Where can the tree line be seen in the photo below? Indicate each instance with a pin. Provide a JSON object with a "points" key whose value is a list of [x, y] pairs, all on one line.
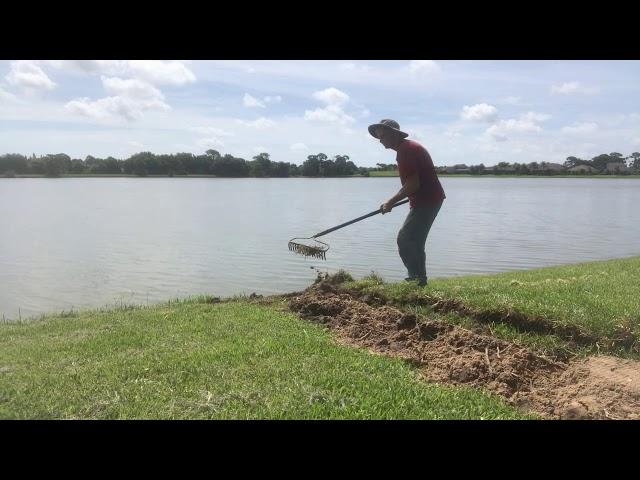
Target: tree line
{"points": [[211, 162], [214, 163], [600, 162], [611, 163]]}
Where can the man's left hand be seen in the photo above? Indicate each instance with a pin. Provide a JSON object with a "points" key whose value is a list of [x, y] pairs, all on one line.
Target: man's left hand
{"points": [[386, 207]]}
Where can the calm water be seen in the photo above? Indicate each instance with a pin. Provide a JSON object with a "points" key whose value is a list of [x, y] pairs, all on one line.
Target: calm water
{"points": [[76, 243]]}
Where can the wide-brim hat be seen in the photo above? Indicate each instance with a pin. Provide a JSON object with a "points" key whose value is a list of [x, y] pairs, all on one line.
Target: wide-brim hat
{"points": [[387, 123]]}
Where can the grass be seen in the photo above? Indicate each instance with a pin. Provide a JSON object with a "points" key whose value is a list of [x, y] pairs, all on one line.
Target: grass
{"points": [[244, 358], [384, 173], [196, 359], [597, 299]]}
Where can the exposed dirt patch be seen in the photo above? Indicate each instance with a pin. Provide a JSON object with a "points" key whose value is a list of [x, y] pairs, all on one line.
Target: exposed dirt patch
{"points": [[572, 334], [597, 387]]}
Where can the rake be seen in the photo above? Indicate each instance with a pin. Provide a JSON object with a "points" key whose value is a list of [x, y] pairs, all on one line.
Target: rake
{"points": [[319, 249]]}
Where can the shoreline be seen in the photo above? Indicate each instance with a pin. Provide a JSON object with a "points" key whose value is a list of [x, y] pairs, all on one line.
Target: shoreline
{"points": [[252, 296], [463, 175]]}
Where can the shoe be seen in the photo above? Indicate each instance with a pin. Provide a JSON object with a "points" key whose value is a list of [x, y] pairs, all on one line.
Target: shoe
{"points": [[422, 282]]}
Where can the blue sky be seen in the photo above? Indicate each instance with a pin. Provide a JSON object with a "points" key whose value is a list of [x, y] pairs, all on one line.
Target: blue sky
{"points": [[462, 111]]}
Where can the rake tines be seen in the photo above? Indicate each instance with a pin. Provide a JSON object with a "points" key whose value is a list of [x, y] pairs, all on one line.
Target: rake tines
{"points": [[317, 251], [314, 251]]}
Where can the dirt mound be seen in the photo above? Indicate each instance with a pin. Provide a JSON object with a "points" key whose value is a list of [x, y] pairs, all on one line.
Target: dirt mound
{"points": [[597, 387]]}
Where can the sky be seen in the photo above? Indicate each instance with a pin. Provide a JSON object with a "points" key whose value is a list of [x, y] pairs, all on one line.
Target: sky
{"points": [[472, 112]]}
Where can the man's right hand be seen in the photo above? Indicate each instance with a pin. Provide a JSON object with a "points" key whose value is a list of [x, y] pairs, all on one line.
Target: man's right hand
{"points": [[386, 207]]}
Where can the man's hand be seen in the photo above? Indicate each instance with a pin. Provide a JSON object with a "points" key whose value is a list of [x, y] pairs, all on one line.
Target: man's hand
{"points": [[386, 207]]}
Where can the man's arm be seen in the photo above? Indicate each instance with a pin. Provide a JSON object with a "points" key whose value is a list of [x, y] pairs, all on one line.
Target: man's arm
{"points": [[412, 185]]}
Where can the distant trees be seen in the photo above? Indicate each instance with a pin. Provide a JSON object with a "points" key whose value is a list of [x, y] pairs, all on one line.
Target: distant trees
{"points": [[386, 166], [56, 165], [14, 163], [573, 162], [262, 165], [613, 163], [211, 162], [320, 165], [600, 162]]}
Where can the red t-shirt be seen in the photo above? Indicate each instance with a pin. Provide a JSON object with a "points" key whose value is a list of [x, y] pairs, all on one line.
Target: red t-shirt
{"points": [[413, 158]]}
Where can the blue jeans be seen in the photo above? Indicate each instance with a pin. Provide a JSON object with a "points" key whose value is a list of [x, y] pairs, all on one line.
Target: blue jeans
{"points": [[412, 238]]}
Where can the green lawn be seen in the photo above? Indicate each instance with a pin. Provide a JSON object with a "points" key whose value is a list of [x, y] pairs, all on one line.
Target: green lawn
{"points": [[199, 360], [600, 299]]}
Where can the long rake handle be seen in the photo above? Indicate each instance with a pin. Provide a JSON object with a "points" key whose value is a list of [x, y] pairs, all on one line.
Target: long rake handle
{"points": [[375, 212]]}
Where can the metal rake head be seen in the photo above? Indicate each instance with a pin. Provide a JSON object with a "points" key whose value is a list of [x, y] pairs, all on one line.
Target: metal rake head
{"points": [[316, 251]]}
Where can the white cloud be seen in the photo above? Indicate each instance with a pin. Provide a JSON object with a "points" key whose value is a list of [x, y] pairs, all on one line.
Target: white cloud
{"points": [[106, 67], [260, 123], [130, 98], [251, 102], [260, 149], [298, 147], [534, 117], [331, 96], [572, 87], [157, 72], [423, 66], [161, 72], [480, 112], [581, 128], [134, 89], [135, 144], [275, 99], [103, 108], [333, 112], [26, 74], [503, 128]]}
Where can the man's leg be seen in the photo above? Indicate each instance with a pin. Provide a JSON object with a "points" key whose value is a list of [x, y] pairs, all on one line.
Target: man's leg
{"points": [[408, 247], [412, 238], [426, 215]]}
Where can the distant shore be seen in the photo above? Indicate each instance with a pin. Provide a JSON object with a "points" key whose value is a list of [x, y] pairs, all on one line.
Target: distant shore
{"points": [[372, 175]]}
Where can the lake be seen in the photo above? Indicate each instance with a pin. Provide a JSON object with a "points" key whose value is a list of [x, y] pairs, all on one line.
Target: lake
{"points": [[74, 243]]}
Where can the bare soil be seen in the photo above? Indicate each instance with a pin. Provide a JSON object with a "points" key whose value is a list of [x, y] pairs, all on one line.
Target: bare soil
{"points": [[598, 387]]}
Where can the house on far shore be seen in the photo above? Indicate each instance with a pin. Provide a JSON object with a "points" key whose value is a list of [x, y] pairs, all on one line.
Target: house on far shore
{"points": [[459, 168], [616, 167], [583, 169], [556, 167]]}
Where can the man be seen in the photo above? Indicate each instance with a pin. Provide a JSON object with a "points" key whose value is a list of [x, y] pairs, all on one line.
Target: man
{"points": [[420, 183]]}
